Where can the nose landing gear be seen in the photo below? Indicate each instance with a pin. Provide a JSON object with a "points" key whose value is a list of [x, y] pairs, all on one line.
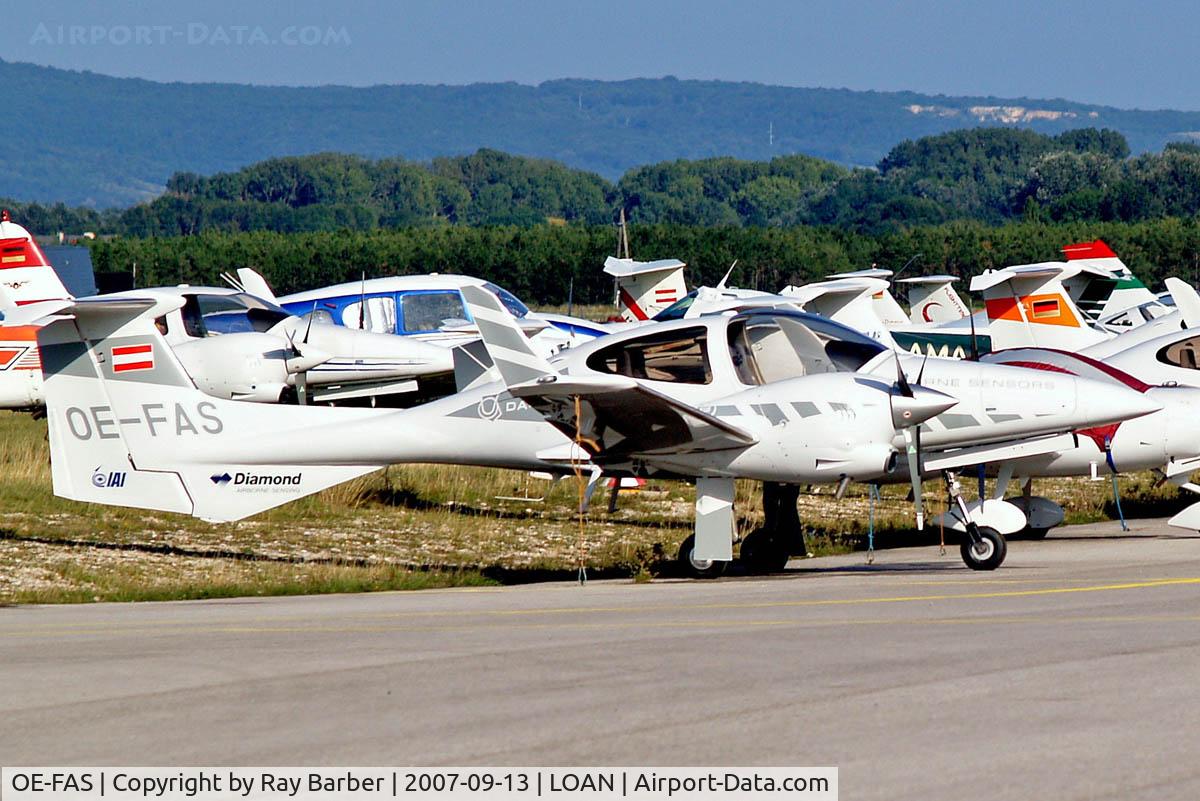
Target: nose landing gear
{"points": [[983, 548]]}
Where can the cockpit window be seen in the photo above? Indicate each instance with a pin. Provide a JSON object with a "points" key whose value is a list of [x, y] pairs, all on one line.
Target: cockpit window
{"points": [[211, 315], [678, 356], [508, 299], [768, 348], [1185, 354], [678, 309]]}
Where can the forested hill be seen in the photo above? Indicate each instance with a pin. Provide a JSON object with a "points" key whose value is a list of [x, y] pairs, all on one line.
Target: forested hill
{"points": [[83, 138], [991, 175]]}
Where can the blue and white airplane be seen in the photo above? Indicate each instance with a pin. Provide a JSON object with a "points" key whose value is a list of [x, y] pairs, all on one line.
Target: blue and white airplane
{"points": [[427, 307]]}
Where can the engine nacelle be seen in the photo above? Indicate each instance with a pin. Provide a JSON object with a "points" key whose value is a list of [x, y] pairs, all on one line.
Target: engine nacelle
{"points": [[243, 366]]}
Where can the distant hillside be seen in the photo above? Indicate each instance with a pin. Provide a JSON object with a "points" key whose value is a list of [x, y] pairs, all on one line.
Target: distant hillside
{"points": [[83, 138]]}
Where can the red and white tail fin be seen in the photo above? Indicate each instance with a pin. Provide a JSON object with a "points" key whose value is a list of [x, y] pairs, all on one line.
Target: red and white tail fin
{"points": [[1028, 306], [25, 274], [932, 299], [644, 288]]}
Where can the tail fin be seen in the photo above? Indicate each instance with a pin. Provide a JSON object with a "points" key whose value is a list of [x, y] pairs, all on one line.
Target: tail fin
{"points": [[253, 283], [644, 288], [1028, 306], [1097, 254], [129, 428], [1104, 285], [932, 299], [506, 343], [26, 276], [850, 301], [1187, 300]]}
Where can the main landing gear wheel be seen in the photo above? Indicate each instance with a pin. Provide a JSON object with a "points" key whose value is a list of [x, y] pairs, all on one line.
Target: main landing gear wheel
{"points": [[986, 553], [764, 551], [698, 568]]}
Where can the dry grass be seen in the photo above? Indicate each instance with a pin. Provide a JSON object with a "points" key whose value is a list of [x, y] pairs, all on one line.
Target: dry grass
{"points": [[599, 312], [408, 527]]}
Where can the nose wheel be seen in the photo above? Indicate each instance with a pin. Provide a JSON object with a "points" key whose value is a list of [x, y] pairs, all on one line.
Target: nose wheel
{"points": [[983, 548], [986, 551]]}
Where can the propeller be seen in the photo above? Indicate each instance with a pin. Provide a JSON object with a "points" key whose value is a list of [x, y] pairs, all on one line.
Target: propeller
{"points": [[299, 360], [911, 406]]}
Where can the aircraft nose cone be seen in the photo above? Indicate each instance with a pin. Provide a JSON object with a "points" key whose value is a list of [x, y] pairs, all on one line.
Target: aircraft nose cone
{"points": [[1099, 403], [924, 404]]}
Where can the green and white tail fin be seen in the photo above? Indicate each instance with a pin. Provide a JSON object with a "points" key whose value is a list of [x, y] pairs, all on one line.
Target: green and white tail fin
{"points": [[129, 428]]}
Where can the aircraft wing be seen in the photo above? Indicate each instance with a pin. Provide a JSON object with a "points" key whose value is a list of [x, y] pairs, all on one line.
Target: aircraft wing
{"points": [[954, 458], [619, 420], [614, 418]]}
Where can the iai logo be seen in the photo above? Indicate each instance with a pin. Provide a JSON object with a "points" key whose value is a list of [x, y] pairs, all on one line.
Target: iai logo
{"points": [[221, 479], [108, 480]]}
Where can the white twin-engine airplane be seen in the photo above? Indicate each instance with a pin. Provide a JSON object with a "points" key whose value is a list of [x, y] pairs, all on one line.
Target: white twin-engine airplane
{"points": [[233, 344], [769, 395]]}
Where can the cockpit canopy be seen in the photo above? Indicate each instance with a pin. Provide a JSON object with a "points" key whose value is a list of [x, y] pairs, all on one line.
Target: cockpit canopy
{"points": [[762, 347], [208, 315]]}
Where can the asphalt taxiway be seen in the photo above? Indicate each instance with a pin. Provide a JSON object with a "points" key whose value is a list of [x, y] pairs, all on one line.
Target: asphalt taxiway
{"points": [[1069, 673]]}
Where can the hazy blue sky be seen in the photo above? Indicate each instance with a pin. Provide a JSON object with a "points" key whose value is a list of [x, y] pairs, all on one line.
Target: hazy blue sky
{"points": [[1118, 53]]}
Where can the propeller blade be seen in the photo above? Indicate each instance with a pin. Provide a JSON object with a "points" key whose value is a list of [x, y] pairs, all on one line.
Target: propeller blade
{"points": [[921, 372], [912, 447], [901, 379], [311, 315]]}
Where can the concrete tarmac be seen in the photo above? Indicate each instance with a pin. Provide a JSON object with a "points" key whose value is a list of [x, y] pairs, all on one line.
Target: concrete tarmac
{"points": [[1070, 673]]}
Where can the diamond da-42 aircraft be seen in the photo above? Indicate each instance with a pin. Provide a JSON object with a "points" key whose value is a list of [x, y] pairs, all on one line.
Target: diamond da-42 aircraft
{"points": [[769, 395]]}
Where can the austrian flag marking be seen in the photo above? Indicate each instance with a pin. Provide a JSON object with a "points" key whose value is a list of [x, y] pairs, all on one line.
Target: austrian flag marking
{"points": [[126, 358]]}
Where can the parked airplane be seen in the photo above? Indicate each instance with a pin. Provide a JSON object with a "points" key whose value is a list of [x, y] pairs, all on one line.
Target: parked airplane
{"points": [[235, 345], [768, 395], [847, 300], [428, 308]]}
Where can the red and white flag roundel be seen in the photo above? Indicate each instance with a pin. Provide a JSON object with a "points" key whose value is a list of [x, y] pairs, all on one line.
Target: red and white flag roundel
{"points": [[126, 358]]}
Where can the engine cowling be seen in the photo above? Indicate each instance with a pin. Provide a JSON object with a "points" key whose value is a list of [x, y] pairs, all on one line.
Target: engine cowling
{"points": [[243, 366]]}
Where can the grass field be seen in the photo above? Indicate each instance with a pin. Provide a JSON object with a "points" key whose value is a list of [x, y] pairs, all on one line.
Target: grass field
{"points": [[407, 528]]}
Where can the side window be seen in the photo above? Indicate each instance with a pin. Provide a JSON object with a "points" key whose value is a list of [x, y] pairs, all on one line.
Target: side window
{"points": [[319, 316], [379, 314], [193, 320], [675, 356], [427, 311], [1184, 354]]}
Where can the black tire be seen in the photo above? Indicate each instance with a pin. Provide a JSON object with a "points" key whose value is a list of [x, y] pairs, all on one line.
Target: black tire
{"points": [[698, 569], [1035, 533], [988, 554], [764, 552]]}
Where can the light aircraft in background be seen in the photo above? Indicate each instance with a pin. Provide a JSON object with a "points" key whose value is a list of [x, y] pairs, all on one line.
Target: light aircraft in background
{"points": [[234, 345], [423, 308], [1036, 323], [768, 395], [847, 299]]}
